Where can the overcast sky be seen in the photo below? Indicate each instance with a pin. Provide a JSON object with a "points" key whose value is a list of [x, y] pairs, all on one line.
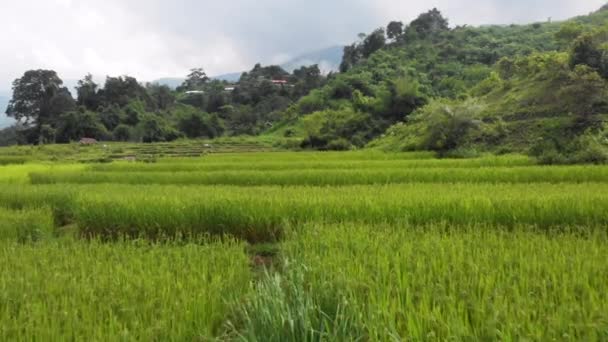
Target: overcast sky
{"points": [[150, 39]]}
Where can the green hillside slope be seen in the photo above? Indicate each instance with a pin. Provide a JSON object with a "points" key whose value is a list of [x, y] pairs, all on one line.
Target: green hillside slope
{"points": [[498, 88]]}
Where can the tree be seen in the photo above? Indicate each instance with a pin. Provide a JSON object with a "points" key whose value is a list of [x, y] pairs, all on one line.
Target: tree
{"points": [[568, 32], [87, 93], [39, 99], [161, 95], [79, 124], [47, 134], [405, 98], [430, 24], [155, 128], [394, 29], [195, 124], [195, 80], [306, 79], [450, 124], [122, 133], [585, 93], [586, 51], [32, 97], [111, 117], [373, 42], [350, 57], [122, 90]]}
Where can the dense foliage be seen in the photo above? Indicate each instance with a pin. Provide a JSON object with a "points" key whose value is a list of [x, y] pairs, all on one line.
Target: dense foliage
{"points": [[125, 110]]}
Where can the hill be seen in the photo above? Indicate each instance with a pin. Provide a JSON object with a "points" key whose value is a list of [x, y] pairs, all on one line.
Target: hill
{"points": [[466, 89]]}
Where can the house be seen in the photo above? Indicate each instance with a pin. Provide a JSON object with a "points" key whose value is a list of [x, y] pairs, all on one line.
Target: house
{"points": [[194, 92], [87, 141], [279, 82]]}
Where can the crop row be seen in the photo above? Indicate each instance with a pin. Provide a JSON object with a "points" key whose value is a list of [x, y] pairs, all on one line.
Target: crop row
{"points": [[288, 157], [210, 165], [7, 160], [533, 174], [263, 213]]}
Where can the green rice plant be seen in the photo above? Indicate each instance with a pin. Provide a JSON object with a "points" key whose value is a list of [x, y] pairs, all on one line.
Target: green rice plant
{"points": [[434, 283], [8, 160], [533, 174], [59, 199], [74, 290], [329, 164], [26, 225], [260, 214], [18, 174]]}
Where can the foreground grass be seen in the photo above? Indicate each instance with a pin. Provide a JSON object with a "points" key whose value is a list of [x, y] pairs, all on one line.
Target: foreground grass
{"points": [[69, 291], [404, 283], [365, 246]]}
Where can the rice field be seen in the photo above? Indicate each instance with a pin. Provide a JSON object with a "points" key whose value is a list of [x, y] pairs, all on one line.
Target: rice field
{"points": [[286, 246]]}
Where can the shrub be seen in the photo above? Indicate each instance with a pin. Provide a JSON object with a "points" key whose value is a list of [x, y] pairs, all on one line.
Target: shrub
{"points": [[122, 132], [339, 144]]}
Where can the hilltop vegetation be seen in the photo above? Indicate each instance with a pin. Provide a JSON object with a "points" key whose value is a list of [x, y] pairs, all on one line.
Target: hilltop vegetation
{"points": [[538, 89]]}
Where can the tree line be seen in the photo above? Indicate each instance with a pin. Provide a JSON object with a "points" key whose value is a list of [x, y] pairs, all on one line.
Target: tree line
{"points": [[123, 109]]}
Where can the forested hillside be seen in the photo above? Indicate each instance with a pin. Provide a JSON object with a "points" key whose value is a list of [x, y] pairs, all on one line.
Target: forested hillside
{"points": [[538, 88]]}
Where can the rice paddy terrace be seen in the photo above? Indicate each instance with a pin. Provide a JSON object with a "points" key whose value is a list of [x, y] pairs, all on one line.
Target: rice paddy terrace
{"points": [[287, 246]]}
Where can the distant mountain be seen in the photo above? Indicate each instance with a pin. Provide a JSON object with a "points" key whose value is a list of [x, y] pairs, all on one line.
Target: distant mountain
{"points": [[171, 82], [328, 60], [232, 77]]}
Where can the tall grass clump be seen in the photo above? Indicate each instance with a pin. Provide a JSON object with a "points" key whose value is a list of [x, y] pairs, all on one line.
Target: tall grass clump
{"points": [[72, 290], [433, 283], [26, 225]]}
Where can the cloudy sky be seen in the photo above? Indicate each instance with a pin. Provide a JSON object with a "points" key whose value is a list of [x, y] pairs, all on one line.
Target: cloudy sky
{"points": [[150, 39]]}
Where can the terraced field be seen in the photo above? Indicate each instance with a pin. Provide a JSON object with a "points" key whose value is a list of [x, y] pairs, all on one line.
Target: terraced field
{"points": [[303, 247]]}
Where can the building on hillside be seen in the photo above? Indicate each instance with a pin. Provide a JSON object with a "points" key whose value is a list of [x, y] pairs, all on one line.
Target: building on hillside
{"points": [[87, 141]]}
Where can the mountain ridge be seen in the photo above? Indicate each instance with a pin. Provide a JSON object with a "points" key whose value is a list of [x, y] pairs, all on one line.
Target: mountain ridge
{"points": [[328, 60]]}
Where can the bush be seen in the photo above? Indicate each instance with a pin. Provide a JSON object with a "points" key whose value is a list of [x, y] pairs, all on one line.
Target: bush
{"points": [[339, 144], [588, 148], [122, 132]]}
